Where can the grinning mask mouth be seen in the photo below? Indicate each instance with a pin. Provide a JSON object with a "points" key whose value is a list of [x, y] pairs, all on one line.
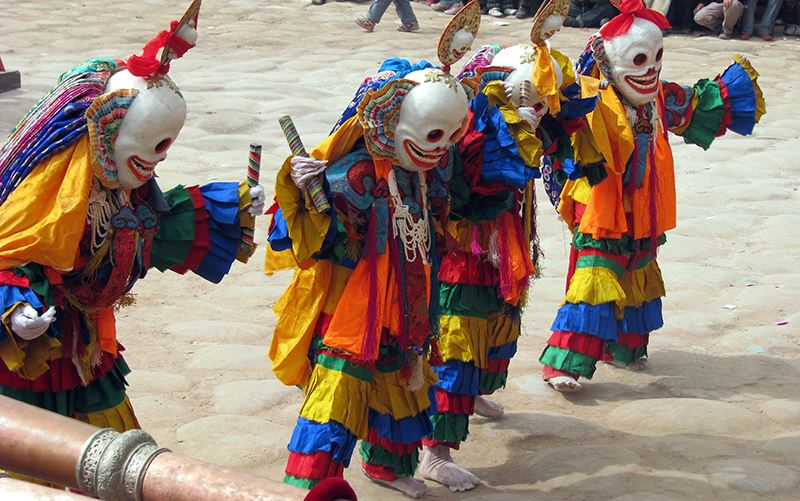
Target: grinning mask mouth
{"points": [[432, 118], [148, 129], [635, 60]]}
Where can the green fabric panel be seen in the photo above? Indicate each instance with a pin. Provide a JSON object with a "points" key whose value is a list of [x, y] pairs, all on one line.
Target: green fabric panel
{"points": [[624, 246], [486, 207], [346, 366], [402, 465], [468, 300], [624, 354], [175, 231], [303, 483], [492, 381], [644, 261], [600, 262], [568, 361], [448, 427], [61, 402], [39, 282], [708, 114], [103, 393]]}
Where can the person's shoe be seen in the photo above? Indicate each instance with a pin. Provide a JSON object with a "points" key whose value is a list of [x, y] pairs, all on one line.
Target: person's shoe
{"points": [[495, 12], [454, 8], [766, 37], [745, 36], [725, 36], [317, 2], [365, 23], [509, 12], [440, 6], [484, 11], [523, 13], [409, 27]]}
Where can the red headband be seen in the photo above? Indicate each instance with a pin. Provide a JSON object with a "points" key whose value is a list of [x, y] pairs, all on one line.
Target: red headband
{"points": [[147, 65], [629, 10]]}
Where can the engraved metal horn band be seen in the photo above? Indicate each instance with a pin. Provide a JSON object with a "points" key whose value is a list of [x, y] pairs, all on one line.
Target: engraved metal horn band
{"points": [[112, 464]]}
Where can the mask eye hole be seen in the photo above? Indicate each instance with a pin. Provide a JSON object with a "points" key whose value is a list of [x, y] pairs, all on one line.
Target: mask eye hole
{"points": [[640, 59], [538, 107], [435, 135], [163, 145], [659, 54]]}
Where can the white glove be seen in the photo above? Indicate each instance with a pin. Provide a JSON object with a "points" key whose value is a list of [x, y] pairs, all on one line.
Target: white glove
{"points": [[530, 115], [509, 87], [27, 324], [304, 169], [259, 198]]}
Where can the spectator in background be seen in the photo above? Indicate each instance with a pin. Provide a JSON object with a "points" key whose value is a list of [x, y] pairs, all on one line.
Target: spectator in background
{"points": [[589, 13], [408, 21], [527, 8], [681, 16], [720, 17], [791, 17], [767, 23], [449, 7], [502, 8]]}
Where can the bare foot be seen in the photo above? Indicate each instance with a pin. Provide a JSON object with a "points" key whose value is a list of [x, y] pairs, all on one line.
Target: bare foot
{"points": [[564, 384], [438, 465], [409, 486], [487, 408]]}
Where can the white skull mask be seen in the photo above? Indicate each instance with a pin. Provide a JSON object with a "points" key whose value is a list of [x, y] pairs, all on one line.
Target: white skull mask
{"points": [[461, 43], [551, 26], [634, 60], [150, 126], [522, 58], [433, 117]]}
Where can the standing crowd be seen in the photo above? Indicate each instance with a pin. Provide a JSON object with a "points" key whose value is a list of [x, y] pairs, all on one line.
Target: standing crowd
{"points": [[728, 19]]}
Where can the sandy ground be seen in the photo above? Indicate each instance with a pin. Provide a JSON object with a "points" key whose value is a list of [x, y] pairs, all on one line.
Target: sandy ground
{"points": [[715, 416]]}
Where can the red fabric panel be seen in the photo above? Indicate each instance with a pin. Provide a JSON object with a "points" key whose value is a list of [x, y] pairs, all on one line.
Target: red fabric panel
{"points": [[454, 404], [378, 472], [460, 267], [62, 375], [394, 447], [201, 243], [498, 365], [633, 341], [317, 465], [589, 345], [549, 372]]}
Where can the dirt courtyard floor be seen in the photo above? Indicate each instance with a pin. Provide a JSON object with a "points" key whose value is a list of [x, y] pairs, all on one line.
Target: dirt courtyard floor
{"points": [[716, 414]]}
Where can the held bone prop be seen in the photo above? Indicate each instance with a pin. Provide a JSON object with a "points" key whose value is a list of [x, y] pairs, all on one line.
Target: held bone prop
{"points": [[314, 187]]}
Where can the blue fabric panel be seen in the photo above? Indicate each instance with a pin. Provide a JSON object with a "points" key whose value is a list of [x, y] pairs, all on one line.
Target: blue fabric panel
{"points": [[596, 320], [644, 319], [278, 237], [503, 352], [402, 431], [741, 99], [310, 437], [222, 204], [462, 378], [501, 160]]}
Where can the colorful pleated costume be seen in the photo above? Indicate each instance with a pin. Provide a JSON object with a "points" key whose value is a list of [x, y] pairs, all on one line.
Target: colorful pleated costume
{"points": [[491, 247], [618, 199], [69, 241], [358, 316]]}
